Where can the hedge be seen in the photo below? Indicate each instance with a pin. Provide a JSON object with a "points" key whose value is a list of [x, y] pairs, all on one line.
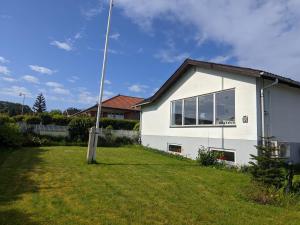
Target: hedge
{"points": [[79, 128], [46, 118], [118, 124], [61, 120], [32, 120], [10, 135], [5, 119]]}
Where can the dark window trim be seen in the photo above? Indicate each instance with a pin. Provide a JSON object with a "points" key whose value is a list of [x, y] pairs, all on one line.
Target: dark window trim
{"points": [[197, 120], [179, 145], [225, 150]]}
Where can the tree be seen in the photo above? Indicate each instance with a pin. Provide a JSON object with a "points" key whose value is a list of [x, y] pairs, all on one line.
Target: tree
{"points": [[267, 168], [40, 104], [70, 111], [56, 112]]}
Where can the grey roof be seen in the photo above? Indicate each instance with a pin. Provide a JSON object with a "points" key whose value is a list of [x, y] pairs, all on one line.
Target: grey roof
{"points": [[188, 63]]}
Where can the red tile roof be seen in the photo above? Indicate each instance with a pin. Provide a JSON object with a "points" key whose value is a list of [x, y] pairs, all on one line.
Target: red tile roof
{"points": [[122, 102]]}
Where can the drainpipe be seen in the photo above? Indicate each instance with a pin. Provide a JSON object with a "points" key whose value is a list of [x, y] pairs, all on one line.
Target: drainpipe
{"points": [[263, 108]]}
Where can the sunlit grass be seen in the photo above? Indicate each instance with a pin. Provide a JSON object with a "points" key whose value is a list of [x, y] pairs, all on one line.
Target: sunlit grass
{"points": [[54, 185]]}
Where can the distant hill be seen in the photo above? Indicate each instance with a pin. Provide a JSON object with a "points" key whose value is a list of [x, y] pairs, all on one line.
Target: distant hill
{"points": [[13, 109]]}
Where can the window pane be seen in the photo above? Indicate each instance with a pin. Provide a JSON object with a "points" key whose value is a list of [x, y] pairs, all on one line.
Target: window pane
{"points": [[225, 107], [206, 109], [225, 155], [190, 111], [175, 148], [177, 112]]}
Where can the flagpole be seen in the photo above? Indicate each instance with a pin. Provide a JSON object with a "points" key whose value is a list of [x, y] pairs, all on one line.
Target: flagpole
{"points": [[93, 138], [104, 65]]}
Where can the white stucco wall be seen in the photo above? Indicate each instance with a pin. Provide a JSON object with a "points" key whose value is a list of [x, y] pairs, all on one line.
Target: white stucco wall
{"points": [[156, 117], [283, 118], [157, 133]]}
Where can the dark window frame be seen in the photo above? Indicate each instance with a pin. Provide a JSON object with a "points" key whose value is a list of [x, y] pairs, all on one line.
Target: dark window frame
{"points": [[175, 145], [214, 124]]}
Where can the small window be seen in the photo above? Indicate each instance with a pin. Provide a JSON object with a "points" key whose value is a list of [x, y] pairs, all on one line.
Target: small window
{"points": [[175, 148], [226, 155]]}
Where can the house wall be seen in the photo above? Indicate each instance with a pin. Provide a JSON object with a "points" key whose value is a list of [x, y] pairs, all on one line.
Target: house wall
{"points": [[283, 117], [157, 133]]}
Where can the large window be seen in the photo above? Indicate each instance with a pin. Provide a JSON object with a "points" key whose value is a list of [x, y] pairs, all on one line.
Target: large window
{"points": [[225, 107], [177, 112], [206, 109], [210, 109], [190, 105]]}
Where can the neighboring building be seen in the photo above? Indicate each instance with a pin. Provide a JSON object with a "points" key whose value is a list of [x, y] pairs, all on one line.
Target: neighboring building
{"points": [[219, 107], [117, 107]]}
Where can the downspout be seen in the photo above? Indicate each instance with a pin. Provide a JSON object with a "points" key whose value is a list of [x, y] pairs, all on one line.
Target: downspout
{"points": [[263, 107]]}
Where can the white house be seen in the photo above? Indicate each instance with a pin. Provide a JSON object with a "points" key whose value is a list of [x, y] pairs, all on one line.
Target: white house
{"points": [[221, 108]]}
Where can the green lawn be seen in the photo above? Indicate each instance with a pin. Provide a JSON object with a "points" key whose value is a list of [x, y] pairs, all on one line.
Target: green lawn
{"points": [[54, 185]]}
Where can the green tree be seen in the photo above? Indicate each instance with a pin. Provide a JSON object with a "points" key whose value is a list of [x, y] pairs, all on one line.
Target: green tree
{"points": [[267, 168], [40, 104]]}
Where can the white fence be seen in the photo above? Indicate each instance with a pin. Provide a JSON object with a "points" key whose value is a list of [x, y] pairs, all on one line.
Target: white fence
{"points": [[122, 133], [55, 130], [52, 130]]}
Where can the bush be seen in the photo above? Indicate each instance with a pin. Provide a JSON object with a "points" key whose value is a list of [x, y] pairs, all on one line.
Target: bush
{"points": [[207, 157], [137, 127], [79, 128], [10, 135], [46, 118], [61, 120], [266, 168], [269, 195], [18, 118], [5, 119], [32, 119], [118, 124]]}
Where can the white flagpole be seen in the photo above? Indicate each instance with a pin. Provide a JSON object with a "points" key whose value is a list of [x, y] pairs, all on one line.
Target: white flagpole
{"points": [[104, 65], [91, 155]]}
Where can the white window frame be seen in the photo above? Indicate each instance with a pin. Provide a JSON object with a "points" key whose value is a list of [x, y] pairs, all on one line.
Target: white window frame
{"points": [[225, 150], [176, 153], [197, 112]]}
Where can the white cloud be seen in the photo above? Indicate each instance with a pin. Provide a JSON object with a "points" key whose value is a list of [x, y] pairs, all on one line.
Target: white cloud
{"points": [[31, 79], [61, 91], [4, 70], [9, 79], [93, 11], [78, 36], [54, 84], [137, 88], [260, 34], [67, 46], [140, 50], [170, 56], [5, 16], [73, 79], [41, 69], [3, 60], [220, 59], [115, 36], [86, 97], [107, 82], [15, 91]]}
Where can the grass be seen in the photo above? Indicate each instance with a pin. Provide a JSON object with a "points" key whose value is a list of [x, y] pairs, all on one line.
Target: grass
{"points": [[54, 185]]}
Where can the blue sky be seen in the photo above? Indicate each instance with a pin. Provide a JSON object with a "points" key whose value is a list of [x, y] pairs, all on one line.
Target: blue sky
{"points": [[56, 47]]}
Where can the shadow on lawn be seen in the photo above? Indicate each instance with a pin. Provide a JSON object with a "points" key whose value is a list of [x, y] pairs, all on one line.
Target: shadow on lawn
{"points": [[15, 180], [147, 164]]}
